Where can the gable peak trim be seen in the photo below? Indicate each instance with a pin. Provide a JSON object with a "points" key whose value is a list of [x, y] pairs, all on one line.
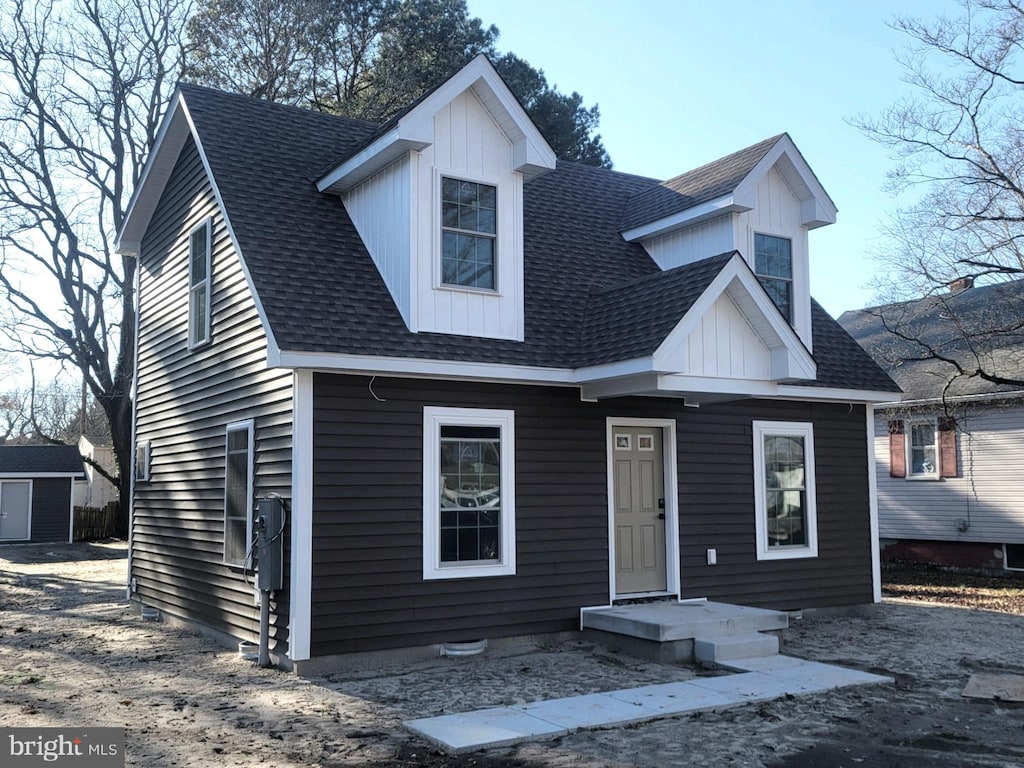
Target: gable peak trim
{"points": [[414, 129]]}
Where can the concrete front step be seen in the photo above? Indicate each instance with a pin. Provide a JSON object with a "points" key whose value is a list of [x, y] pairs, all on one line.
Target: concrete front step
{"points": [[665, 631], [712, 651], [667, 621]]}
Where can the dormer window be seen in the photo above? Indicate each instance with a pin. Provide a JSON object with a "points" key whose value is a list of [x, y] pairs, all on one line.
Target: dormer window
{"points": [[468, 233], [773, 264]]}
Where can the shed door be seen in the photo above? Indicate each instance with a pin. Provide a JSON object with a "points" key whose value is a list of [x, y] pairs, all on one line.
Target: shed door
{"points": [[639, 490], [15, 498]]}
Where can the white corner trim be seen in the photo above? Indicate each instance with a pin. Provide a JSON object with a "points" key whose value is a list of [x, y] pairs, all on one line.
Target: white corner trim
{"points": [[876, 555], [300, 588]]}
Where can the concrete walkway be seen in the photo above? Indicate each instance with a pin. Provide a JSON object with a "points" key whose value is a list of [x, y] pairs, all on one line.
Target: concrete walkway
{"points": [[758, 679]]}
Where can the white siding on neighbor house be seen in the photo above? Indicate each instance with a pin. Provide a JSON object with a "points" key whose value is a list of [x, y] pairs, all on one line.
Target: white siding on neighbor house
{"points": [[185, 400], [685, 246], [724, 345], [379, 208], [988, 491], [777, 213], [469, 145]]}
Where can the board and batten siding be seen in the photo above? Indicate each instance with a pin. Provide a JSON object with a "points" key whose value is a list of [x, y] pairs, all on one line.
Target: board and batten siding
{"points": [[986, 494], [368, 587], [185, 400], [468, 145], [724, 345], [379, 208]]}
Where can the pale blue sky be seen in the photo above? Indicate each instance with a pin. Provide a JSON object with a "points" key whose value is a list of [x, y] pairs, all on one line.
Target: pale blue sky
{"points": [[682, 82]]}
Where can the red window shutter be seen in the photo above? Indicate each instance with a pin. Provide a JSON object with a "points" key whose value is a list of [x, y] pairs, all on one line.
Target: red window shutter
{"points": [[897, 449], [947, 448]]}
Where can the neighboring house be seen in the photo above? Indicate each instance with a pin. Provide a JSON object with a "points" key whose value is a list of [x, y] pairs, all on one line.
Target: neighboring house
{"points": [[493, 389], [37, 491], [97, 491], [951, 453]]}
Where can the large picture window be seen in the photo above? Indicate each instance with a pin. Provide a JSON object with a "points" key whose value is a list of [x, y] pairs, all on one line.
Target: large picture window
{"points": [[238, 493], [784, 495], [773, 264], [468, 233], [199, 285], [468, 492]]}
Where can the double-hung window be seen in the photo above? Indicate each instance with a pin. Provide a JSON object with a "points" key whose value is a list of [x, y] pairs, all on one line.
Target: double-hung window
{"points": [[784, 497], [468, 492], [773, 264], [924, 449], [238, 493], [468, 233], [199, 285]]}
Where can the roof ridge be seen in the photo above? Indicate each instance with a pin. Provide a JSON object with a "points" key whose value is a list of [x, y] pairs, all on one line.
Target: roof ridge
{"points": [[769, 143], [275, 105]]}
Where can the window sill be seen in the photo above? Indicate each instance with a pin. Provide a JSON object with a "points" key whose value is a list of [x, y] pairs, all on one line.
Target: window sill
{"points": [[468, 289], [468, 571], [797, 553]]}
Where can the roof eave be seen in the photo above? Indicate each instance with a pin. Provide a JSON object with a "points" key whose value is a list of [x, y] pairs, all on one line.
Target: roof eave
{"points": [[698, 213], [170, 137]]}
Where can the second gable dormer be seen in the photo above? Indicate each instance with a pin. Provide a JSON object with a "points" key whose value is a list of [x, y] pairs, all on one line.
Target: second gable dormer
{"points": [[437, 197], [761, 201]]}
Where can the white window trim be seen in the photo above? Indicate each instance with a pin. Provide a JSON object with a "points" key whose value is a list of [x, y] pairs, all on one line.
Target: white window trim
{"points": [[142, 470], [1006, 566], [237, 426], [787, 428], [908, 436], [434, 417], [439, 284], [206, 283]]}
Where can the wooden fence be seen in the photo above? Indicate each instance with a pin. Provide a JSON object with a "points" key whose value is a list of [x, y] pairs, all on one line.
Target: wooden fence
{"points": [[92, 523]]}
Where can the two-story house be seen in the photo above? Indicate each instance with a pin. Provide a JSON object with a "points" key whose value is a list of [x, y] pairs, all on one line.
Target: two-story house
{"points": [[493, 389]]}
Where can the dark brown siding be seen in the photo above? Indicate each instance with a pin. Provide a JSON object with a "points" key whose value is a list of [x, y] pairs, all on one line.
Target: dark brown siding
{"points": [[51, 508], [186, 399], [368, 588], [716, 508]]}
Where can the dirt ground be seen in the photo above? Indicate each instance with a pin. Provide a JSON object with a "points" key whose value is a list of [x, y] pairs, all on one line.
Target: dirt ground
{"points": [[72, 653]]}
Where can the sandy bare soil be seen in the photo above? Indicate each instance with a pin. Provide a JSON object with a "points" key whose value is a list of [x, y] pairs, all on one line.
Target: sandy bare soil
{"points": [[73, 653]]}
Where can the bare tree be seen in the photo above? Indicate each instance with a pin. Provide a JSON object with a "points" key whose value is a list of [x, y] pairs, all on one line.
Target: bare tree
{"points": [[83, 85], [958, 140]]}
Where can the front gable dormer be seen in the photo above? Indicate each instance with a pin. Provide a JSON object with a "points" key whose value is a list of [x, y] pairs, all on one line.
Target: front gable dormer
{"points": [[437, 197], [761, 201], [710, 329]]}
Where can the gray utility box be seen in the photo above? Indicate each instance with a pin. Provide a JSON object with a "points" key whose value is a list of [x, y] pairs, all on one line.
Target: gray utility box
{"points": [[270, 544]]}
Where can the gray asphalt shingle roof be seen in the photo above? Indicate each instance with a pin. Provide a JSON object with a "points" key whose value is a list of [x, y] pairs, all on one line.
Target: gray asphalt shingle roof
{"points": [[321, 291], [31, 460], [982, 324], [692, 188]]}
